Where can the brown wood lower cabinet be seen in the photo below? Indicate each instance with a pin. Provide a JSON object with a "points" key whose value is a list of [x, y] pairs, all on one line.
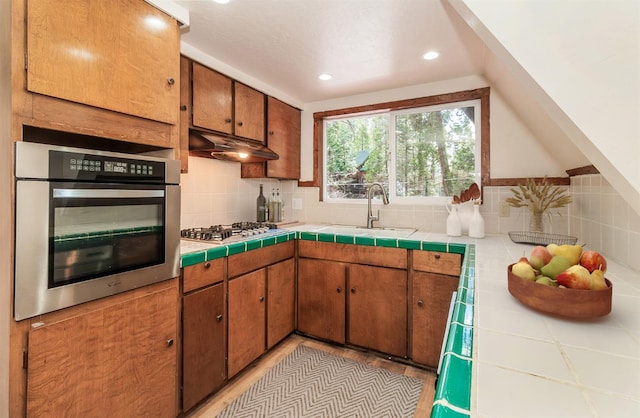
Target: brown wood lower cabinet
{"points": [[116, 361], [430, 307], [203, 344], [246, 332], [281, 301], [321, 299], [377, 309]]}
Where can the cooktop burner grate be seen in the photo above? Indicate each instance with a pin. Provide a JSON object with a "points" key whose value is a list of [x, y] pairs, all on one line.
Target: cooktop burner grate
{"points": [[228, 233]]}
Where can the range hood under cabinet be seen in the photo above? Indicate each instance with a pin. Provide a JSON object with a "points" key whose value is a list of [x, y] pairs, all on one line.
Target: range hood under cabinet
{"points": [[207, 144]]}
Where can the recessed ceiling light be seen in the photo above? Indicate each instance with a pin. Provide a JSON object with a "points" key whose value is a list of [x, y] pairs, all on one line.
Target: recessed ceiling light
{"points": [[222, 1], [431, 55], [325, 77]]}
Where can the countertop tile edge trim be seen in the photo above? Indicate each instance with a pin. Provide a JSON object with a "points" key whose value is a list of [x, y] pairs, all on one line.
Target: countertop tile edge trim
{"points": [[453, 390]]}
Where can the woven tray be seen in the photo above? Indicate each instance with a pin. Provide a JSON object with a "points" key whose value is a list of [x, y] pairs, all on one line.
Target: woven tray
{"points": [[540, 238]]}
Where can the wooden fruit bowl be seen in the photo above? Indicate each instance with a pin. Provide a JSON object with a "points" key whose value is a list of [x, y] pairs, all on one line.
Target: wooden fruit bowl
{"points": [[572, 303]]}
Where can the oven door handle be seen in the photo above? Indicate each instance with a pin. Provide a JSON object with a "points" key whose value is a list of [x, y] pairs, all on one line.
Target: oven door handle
{"points": [[105, 193]]}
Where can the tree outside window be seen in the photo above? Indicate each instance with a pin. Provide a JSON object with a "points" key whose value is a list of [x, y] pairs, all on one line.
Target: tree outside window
{"points": [[426, 152]]}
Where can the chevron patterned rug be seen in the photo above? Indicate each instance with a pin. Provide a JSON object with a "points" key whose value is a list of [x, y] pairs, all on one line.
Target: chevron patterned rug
{"points": [[311, 383]]}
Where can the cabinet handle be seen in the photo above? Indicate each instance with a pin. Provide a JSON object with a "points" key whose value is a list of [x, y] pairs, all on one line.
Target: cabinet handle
{"points": [[353, 290], [420, 303], [227, 120], [240, 123], [207, 265], [339, 290], [183, 108], [271, 133], [171, 81], [261, 298], [219, 318], [169, 342], [437, 256]]}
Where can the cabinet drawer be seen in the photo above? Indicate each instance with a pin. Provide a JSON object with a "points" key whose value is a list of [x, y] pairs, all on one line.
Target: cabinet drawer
{"points": [[437, 262], [262, 257], [358, 254], [203, 274]]}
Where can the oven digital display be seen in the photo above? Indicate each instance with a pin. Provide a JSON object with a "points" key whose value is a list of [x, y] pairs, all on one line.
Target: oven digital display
{"points": [[74, 166]]}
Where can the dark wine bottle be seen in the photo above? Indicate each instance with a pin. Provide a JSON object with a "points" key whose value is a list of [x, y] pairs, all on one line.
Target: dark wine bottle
{"points": [[261, 205]]}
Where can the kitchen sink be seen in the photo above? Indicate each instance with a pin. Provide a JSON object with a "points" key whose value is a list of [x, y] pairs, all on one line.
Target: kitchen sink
{"points": [[369, 232]]}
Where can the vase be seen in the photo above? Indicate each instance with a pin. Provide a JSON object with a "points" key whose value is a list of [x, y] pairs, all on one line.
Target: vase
{"points": [[476, 226], [454, 226], [535, 223]]}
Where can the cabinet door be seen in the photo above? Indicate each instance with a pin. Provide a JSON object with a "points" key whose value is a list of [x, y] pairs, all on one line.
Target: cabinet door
{"points": [[249, 113], [283, 127], [430, 307], [106, 55], [378, 309], [203, 344], [116, 361], [281, 301], [246, 320], [321, 299], [212, 100]]}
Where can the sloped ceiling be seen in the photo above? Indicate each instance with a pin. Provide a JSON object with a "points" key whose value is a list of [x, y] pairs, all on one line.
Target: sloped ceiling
{"points": [[367, 45]]}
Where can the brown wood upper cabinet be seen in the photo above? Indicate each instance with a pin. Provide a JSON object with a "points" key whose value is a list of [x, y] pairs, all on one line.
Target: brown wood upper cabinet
{"points": [[283, 137], [106, 55], [224, 105]]}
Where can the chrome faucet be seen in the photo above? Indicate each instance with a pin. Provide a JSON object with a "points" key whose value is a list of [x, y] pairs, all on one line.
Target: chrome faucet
{"points": [[385, 200]]}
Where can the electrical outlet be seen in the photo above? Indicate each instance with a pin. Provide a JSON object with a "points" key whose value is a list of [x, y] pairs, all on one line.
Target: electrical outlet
{"points": [[504, 210], [296, 203]]}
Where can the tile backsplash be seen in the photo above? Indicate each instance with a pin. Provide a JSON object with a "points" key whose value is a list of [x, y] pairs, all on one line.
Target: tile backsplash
{"points": [[213, 193], [603, 220]]}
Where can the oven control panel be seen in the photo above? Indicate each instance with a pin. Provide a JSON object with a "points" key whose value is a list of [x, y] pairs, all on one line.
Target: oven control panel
{"points": [[83, 166]]}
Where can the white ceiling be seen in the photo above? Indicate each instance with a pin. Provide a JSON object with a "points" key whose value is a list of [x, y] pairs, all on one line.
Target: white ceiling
{"points": [[367, 45]]}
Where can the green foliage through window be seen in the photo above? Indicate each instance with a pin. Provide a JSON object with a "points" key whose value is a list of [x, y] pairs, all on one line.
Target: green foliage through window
{"points": [[422, 152]]}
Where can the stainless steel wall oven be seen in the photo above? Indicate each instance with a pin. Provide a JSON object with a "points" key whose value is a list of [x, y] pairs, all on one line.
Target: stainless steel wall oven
{"points": [[90, 224]]}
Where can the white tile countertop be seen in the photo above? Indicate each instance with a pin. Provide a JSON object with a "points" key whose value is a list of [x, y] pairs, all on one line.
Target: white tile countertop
{"points": [[530, 364]]}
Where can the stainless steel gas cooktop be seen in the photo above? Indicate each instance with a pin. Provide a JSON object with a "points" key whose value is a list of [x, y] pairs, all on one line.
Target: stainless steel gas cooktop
{"points": [[226, 234]]}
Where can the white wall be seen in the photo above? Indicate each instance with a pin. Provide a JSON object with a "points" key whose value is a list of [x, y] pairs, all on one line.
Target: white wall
{"points": [[6, 276], [581, 61]]}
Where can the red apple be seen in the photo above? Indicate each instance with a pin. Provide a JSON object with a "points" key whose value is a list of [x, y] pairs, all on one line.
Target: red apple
{"points": [[575, 277], [593, 260], [539, 257]]}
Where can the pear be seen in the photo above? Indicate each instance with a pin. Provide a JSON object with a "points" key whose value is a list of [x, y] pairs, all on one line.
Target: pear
{"points": [[597, 280], [524, 270], [570, 252], [557, 265], [575, 277], [552, 248], [539, 257], [547, 281]]}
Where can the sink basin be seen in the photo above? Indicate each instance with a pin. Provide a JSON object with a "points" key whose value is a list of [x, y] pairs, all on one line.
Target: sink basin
{"points": [[362, 231]]}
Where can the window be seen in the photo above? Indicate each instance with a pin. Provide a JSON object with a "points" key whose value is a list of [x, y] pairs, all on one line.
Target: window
{"points": [[416, 153]]}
